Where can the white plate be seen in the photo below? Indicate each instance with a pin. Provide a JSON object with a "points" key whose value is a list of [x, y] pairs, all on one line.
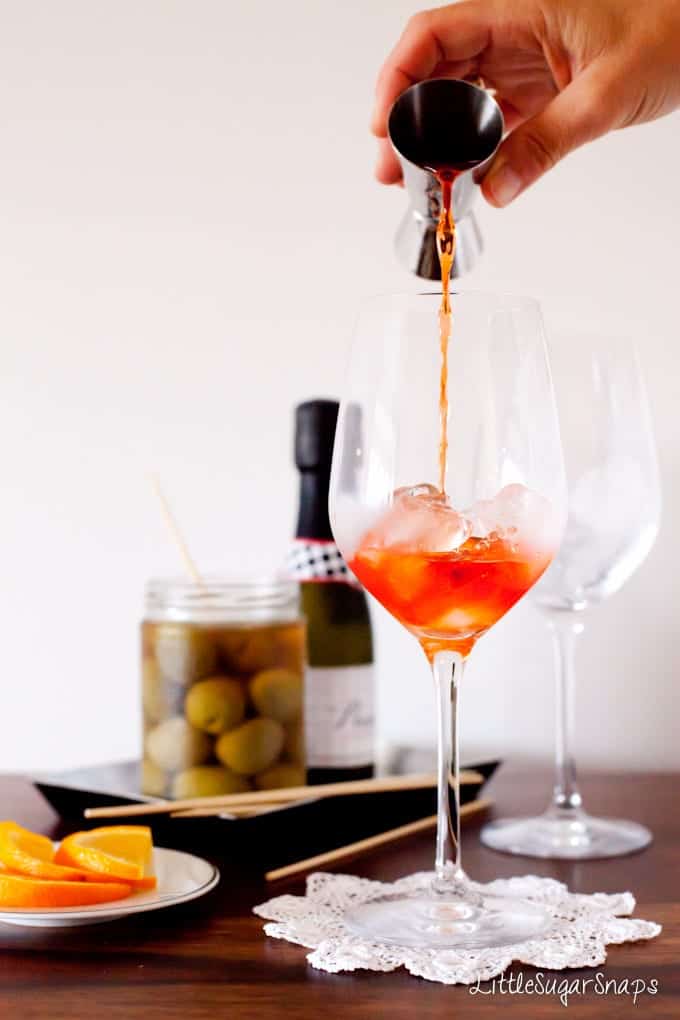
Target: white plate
{"points": [[181, 877]]}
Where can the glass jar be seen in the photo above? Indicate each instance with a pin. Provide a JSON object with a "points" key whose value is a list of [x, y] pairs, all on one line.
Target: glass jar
{"points": [[222, 686]]}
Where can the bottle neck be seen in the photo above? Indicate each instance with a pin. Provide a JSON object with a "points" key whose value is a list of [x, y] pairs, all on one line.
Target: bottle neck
{"points": [[313, 520]]}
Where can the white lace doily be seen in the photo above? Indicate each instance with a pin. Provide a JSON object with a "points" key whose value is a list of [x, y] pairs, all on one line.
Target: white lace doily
{"points": [[583, 927]]}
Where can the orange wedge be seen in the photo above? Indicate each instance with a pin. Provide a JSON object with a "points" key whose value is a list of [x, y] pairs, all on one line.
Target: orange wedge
{"points": [[27, 853], [113, 853], [21, 891]]}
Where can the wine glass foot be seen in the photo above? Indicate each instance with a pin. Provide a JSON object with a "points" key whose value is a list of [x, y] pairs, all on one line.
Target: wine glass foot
{"points": [[428, 922], [564, 836]]}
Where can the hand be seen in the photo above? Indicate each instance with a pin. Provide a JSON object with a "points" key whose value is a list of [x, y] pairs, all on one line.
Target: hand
{"points": [[565, 72]]}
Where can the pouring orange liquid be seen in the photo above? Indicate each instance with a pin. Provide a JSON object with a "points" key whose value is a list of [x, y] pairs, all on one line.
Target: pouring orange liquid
{"points": [[446, 598], [446, 249]]}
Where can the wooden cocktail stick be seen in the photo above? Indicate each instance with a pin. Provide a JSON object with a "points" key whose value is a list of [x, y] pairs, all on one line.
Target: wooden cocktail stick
{"points": [[175, 533], [362, 845], [240, 811], [257, 798]]}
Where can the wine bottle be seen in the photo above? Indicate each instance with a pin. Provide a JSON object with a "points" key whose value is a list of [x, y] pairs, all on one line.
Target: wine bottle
{"points": [[339, 686]]}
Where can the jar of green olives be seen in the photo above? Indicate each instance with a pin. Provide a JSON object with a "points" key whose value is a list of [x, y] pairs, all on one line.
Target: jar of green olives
{"points": [[222, 687]]}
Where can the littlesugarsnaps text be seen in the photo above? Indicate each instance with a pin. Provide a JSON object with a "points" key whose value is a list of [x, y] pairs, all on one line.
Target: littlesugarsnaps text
{"points": [[564, 988]]}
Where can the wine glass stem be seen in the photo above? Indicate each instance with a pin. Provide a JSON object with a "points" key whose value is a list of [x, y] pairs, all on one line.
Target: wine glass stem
{"points": [[565, 629], [447, 669]]}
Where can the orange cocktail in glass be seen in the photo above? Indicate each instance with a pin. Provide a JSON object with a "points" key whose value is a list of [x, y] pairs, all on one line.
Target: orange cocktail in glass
{"points": [[449, 576]]}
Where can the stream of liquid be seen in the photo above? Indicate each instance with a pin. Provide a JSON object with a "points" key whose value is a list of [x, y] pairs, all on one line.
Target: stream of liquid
{"points": [[424, 561], [446, 249]]}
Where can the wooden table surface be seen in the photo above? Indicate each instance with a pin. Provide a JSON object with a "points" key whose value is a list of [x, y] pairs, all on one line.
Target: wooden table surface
{"points": [[210, 959]]}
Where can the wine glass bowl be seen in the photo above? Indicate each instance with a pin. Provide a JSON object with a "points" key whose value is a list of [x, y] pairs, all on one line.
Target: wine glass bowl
{"points": [[613, 519], [448, 575], [614, 491], [448, 564]]}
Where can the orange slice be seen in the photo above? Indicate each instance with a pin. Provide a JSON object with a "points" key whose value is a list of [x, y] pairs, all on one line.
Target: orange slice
{"points": [[113, 853], [21, 891], [27, 853]]}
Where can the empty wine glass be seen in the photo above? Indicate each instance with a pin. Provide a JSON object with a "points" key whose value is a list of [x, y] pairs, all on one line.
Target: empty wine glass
{"points": [[448, 564], [614, 510]]}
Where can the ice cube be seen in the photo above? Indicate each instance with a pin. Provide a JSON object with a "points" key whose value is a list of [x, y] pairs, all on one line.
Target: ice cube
{"points": [[440, 528], [520, 510], [462, 622], [420, 520], [422, 489], [482, 518], [518, 515]]}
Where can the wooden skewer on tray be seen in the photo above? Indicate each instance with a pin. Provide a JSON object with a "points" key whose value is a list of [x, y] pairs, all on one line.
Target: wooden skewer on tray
{"points": [[235, 811], [363, 845], [271, 798]]}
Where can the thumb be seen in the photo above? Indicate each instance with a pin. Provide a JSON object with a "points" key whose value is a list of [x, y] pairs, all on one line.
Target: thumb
{"points": [[580, 113]]}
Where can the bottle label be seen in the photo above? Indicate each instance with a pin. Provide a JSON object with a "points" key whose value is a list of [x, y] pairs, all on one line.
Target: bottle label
{"points": [[311, 559], [339, 716]]}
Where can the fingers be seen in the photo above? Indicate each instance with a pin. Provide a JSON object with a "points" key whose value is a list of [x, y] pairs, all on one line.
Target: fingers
{"points": [[586, 109], [447, 35], [512, 118], [387, 169]]}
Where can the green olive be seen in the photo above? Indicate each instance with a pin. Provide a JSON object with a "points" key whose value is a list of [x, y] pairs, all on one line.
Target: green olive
{"points": [[160, 698], [216, 704], [153, 779], [294, 743], [249, 650], [251, 747], [147, 638], [277, 693], [280, 775], [175, 745], [291, 644], [184, 653], [207, 781]]}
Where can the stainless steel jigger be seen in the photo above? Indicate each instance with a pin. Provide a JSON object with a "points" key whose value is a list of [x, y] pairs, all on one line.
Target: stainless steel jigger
{"points": [[440, 123]]}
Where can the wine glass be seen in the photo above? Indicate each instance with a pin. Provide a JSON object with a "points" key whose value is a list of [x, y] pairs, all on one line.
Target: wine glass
{"points": [[448, 566], [614, 511]]}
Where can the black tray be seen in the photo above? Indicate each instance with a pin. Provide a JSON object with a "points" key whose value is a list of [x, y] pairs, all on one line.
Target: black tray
{"points": [[264, 841]]}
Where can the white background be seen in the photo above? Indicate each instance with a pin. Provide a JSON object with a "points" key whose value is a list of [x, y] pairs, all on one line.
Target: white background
{"points": [[156, 158]]}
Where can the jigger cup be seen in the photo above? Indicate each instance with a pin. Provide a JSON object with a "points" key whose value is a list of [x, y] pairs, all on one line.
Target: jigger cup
{"points": [[437, 124]]}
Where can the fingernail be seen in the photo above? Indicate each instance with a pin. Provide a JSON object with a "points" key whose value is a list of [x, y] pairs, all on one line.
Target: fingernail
{"points": [[504, 184]]}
